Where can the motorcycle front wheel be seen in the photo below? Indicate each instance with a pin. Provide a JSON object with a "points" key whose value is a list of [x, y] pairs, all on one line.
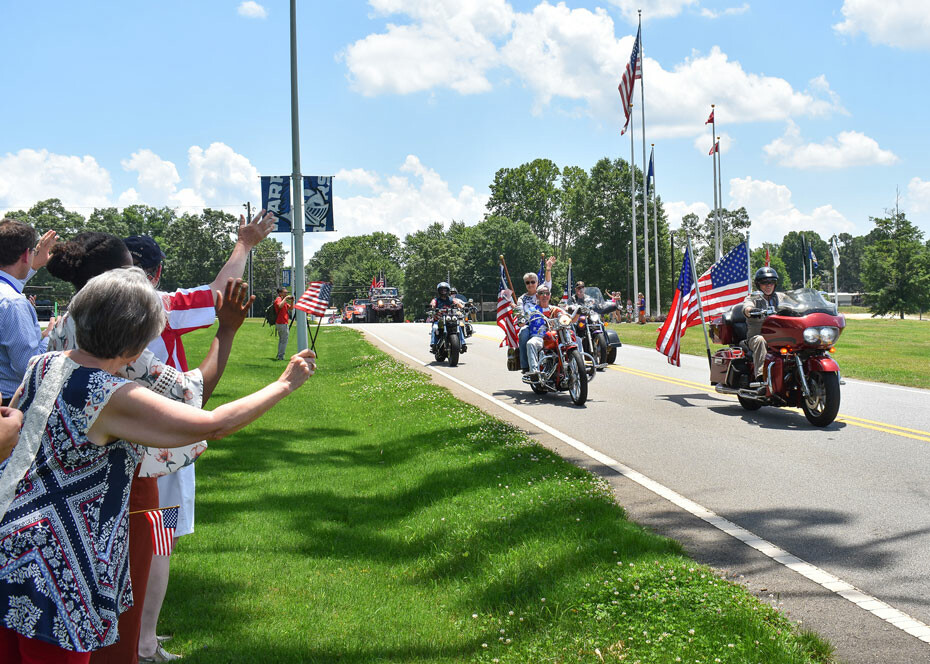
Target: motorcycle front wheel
{"points": [[455, 345], [602, 350], [577, 378], [821, 407], [611, 355]]}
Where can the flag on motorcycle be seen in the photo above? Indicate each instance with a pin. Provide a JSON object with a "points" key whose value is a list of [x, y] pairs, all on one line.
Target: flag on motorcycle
{"points": [[505, 313], [767, 257], [673, 329], [570, 282], [316, 298], [542, 270]]}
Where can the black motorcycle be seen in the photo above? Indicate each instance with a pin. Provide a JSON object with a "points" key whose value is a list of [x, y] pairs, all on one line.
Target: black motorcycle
{"points": [[449, 339], [597, 341]]}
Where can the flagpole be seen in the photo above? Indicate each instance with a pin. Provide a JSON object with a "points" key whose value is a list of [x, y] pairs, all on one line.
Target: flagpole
{"points": [[655, 229], [697, 292], [835, 252], [633, 201], [748, 263], [513, 295], [803, 261], [713, 128], [642, 113], [297, 208]]}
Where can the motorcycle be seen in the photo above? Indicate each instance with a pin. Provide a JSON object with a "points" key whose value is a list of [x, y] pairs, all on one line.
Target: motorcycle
{"points": [[597, 342], [799, 334], [450, 338], [561, 365]]}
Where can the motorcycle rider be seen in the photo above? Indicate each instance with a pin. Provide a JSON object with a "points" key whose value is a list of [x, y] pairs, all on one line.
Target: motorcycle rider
{"points": [[580, 297], [442, 300], [537, 328], [766, 280], [525, 302]]}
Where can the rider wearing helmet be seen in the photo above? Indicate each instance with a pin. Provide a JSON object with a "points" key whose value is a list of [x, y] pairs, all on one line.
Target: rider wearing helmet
{"points": [[443, 299], [766, 280]]}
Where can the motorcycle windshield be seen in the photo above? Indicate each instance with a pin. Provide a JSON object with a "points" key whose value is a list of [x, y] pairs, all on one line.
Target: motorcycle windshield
{"points": [[804, 301]]}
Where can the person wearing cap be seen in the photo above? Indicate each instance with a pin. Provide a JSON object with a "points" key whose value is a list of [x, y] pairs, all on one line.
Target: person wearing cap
{"points": [[187, 310], [527, 300], [20, 334], [282, 309], [580, 297]]}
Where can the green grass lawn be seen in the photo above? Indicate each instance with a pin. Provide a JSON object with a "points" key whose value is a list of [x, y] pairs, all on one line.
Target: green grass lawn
{"points": [[889, 351], [373, 517]]}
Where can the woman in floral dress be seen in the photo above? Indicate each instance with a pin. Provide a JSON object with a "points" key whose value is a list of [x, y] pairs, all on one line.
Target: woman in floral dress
{"points": [[64, 490]]}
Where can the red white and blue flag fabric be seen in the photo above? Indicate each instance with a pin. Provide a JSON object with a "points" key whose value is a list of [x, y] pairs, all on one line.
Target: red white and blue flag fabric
{"points": [[316, 298], [721, 287], [669, 340], [634, 70], [163, 522], [505, 313]]}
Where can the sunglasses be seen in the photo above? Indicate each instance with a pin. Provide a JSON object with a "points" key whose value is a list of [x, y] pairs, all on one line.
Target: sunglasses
{"points": [[768, 282], [529, 283]]}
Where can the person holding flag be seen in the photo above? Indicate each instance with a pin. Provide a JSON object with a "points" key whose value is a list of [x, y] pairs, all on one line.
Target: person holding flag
{"points": [[505, 312]]}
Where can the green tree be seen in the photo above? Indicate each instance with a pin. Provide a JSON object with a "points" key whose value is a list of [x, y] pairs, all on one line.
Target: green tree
{"points": [[429, 255], [350, 263], [483, 244], [267, 263], [528, 193], [896, 268], [196, 246], [757, 260]]}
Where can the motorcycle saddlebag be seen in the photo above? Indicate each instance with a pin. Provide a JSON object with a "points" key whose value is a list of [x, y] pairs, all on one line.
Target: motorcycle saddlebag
{"points": [[613, 339], [513, 359]]}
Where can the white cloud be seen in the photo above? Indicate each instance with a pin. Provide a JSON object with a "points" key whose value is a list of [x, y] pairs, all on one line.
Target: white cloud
{"points": [[569, 54], [450, 44], [251, 9], [400, 204], [675, 210], [157, 179], [730, 11], [918, 195], [899, 23], [704, 142], [29, 176], [651, 8], [773, 214], [848, 149], [221, 175]]}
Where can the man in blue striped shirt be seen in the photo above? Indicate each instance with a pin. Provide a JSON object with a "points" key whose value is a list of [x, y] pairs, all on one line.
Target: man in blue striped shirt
{"points": [[20, 335]]}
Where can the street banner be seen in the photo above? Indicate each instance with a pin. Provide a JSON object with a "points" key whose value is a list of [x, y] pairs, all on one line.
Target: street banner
{"points": [[318, 202]]}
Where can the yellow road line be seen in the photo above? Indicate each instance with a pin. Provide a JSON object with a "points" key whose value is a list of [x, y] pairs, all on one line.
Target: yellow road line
{"points": [[861, 422]]}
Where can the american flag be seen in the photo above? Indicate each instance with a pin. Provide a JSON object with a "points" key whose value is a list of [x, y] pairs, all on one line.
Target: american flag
{"points": [[316, 298], [163, 521], [505, 313], [634, 70], [724, 285], [541, 275]]}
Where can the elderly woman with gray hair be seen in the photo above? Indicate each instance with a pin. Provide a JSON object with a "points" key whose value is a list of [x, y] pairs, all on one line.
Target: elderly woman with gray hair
{"points": [[64, 490]]}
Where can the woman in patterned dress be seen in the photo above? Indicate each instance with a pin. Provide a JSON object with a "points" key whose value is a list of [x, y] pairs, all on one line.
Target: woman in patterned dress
{"points": [[76, 261], [64, 490]]}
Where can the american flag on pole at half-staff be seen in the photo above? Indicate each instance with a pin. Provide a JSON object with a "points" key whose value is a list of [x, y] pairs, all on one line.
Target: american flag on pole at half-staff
{"points": [[316, 298], [722, 286], [163, 522], [505, 312], [634, 70]]}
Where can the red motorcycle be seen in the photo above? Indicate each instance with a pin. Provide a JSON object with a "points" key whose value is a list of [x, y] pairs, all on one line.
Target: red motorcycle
{"points": [[800, 334], [561, 366]]}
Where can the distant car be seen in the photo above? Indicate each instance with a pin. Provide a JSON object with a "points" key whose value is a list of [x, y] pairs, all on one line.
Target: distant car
{"points": [[386, 304], [45, 309]]}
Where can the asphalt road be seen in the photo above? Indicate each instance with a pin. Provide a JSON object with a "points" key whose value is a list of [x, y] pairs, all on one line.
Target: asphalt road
{"points": [[851, 499]]}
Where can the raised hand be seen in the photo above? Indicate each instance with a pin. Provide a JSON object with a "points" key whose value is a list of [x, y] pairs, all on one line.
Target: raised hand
{"points": [[253, 232], [299, 369], [550, 261], [232, 307], [43, 249]]}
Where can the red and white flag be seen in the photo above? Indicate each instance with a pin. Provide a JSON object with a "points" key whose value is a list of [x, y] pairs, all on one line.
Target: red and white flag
{"points": [[715, 148], [316, 298], [505, 313], [710, 120], [163, 522], [634, 70]]}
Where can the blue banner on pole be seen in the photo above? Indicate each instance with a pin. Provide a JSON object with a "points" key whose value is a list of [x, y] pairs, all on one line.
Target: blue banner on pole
{"points": [[318, 202]]}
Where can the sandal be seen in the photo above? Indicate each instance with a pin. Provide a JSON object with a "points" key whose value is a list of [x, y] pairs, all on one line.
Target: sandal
{"points": [[160, 655]]}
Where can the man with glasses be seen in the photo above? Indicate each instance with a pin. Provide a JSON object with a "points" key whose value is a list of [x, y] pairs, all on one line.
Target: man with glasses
{"points": [[765, 279], [531, 281], [20, 334]]}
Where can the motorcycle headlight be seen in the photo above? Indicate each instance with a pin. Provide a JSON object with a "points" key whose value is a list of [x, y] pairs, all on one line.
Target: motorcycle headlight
{"points": [[812, 335], [594, 317], [829, 334], [564, 320]]}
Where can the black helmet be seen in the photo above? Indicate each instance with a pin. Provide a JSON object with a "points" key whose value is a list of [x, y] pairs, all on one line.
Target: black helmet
{"points": [[441, 285], [765, 274]]}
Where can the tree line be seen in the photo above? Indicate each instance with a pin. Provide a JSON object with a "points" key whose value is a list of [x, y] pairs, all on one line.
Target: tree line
{"points": [[195, 245]]}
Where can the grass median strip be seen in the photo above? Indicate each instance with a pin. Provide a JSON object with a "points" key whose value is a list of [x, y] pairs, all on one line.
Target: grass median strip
{"points": [[373, 517]]}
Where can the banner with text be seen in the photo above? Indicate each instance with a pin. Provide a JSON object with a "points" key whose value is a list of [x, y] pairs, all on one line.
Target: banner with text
{"points": [[318, 201]]}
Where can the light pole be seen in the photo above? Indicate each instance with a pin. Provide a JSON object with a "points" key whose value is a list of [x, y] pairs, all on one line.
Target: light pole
{"points": [[248, 219]]}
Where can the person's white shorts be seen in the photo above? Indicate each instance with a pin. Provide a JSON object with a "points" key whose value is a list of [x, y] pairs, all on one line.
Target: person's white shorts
{"points": [[178, 489]]}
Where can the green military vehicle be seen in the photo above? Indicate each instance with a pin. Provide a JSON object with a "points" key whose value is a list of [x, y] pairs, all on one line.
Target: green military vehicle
{"points": [[386, 305]]}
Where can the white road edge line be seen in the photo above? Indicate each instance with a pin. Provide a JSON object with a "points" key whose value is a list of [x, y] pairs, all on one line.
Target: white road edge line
{"points": [[845, 590]]}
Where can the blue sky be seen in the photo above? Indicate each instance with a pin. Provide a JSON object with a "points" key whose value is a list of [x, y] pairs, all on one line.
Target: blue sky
{"points": [[414, 104]]}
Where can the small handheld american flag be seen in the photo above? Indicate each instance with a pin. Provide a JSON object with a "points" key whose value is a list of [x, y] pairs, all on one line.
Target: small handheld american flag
{"points": [[316, 298], [163, 521]]}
